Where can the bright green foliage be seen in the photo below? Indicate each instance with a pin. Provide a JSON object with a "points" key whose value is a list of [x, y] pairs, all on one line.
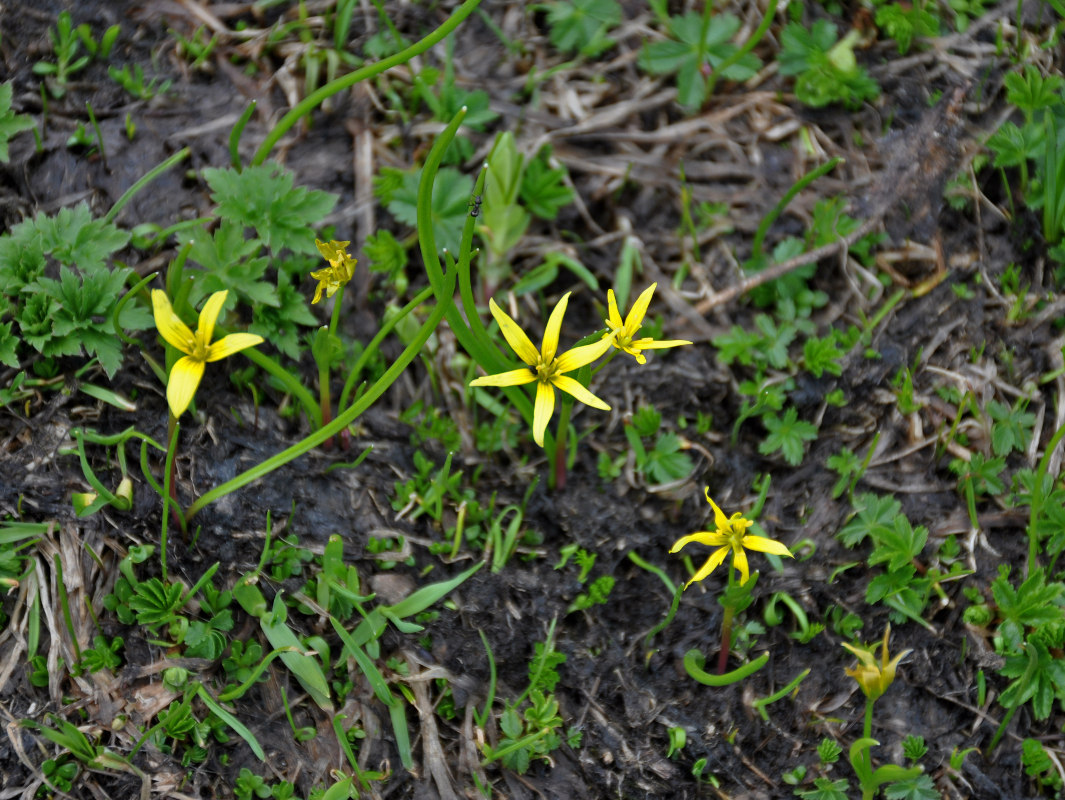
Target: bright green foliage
{"points": [[788, 435], [903, 22], [918, 787], [230, 262], [582, 25], [398, 190], [66, 316], [10, 122], [1037, 675], [665, 461], [825, 789], [385, 254], [543, 188], [543, 671], [766, 347], [847, 465], [694, 42], [1032, 92], [1038, 765], [898, 545], [874, 515], [132, 80], [822, 355], [914, 748], [103, 654], [284, 323], [979, 474], [264, 198], [66, 44], [1012, 427], [826, 70], [598, 593], [1031, 605], [829, 751]]}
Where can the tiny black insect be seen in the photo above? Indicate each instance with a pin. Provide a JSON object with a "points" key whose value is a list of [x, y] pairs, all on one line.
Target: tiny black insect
{"points": [[475, 205]]}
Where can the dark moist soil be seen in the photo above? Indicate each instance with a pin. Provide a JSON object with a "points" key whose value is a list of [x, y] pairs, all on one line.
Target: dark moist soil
{"points": [[623, 692]]}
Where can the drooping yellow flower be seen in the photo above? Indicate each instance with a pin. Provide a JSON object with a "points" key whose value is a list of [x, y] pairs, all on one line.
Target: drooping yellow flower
{"points": [[730, 536], [341, 268], [874, 677], [544, 367], [198, 348], [625, 331]]}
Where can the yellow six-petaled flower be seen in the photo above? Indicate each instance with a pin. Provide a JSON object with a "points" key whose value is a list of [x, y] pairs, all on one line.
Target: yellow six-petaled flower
{"points": [[341, 268], [874, 677], [547, 370], [624, 331], [198, 348], [731, 535]]}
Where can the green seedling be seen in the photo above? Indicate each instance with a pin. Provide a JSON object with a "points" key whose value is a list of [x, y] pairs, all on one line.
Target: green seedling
{"points": [[582, 26], [66, 43], [697, 41], [11, 124], [598, 594], [905, 22], [132, 80], [826, 70], [196, 47], [678, 737], [666, 461]]}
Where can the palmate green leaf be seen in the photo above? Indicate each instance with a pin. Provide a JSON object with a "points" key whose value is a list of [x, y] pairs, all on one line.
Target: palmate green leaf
{"points": [[1030, 92], [451, 195], [283, 325], [582, 25], [264, 198], [1012, 428], [1030, 605], [919, 787], [10, 122], [826, 70], [903, 23], [787, 435], [681, 55], [874, 516], [230, 263], [22, 258], [1014, 145], [543, 190], [898, 545], [8, 345], [825, 789], [72, 237], [1038, 676]]}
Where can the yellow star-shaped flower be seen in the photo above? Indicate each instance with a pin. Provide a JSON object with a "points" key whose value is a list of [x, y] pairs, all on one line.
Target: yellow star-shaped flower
{"points": [[730, 536], [341, 268], [198, 348], [547, 370], [625, 331], [874, 677]]}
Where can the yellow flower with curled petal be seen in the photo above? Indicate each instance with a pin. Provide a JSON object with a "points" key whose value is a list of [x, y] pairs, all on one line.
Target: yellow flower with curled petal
{"points": [[731, 535], [874, 677], [545, 368], [341, 268], [625, 331], [198, 348]]}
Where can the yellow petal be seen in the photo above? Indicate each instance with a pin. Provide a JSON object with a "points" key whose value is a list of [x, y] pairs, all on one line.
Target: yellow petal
{"points": [[171, 328], [234, 343], [711, 564], [739, 561], [710, 538], [720, 520], [579, 356], [182, 383], [318, 292], [554, 327], [574, 387], [634, 321], [658, 344], [515, 336], [613, 320], [209, 316], [543, 408], [764, 545], [861, 654], [515, 377]]}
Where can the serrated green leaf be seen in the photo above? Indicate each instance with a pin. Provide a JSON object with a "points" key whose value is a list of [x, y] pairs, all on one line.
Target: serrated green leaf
{"points": [[264, 198], [874, 515], [11, 123], [451, 194]]}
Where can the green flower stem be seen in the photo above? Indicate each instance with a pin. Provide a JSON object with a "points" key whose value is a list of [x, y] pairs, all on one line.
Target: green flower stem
{"points": [[235, 134], [338, 85], [169, 489], [762, 702], [342, 420], [147, 178], [661, 573], [480, 348], [291, 383], [120, 503], [556, 477], [1037, 497], [375, 343], [694, 661], [778, 209]]}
